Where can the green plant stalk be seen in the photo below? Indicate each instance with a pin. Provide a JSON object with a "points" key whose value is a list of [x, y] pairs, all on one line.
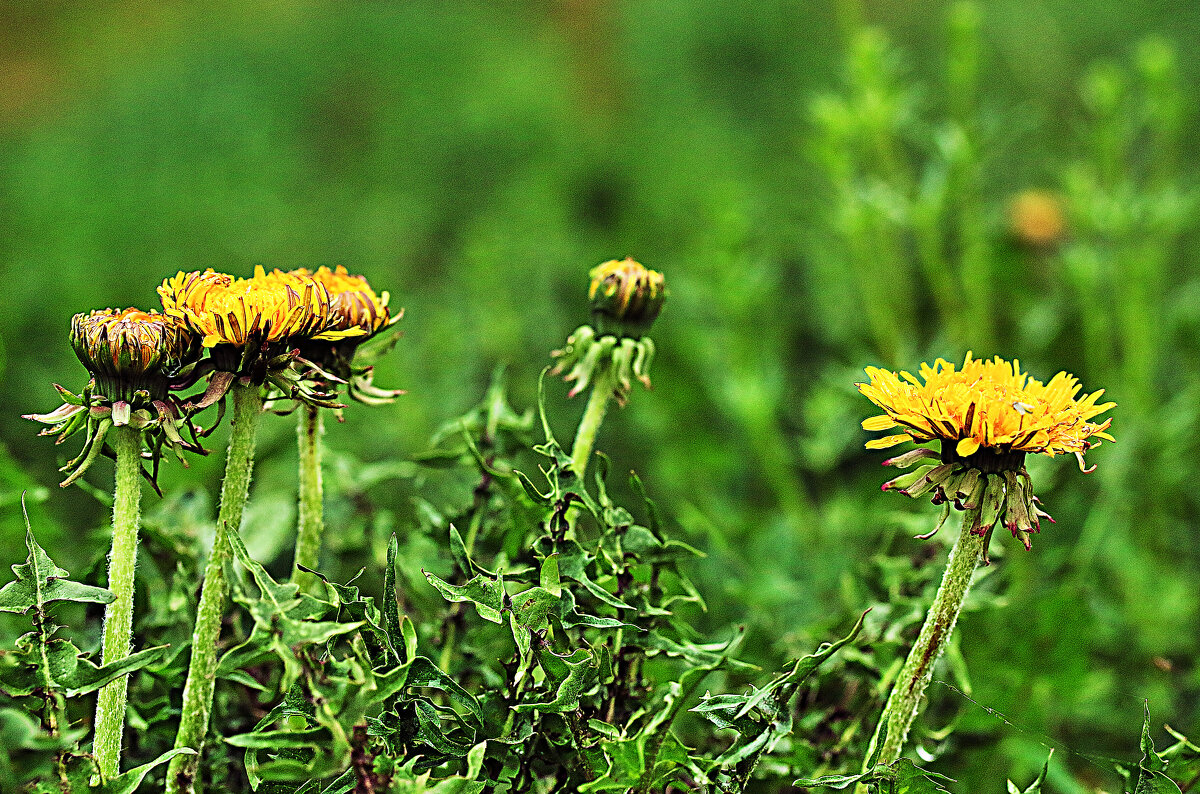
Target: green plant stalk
{"points": [[311, 523], [202, 670], [118, 616], [905, 699], [593, 417]]}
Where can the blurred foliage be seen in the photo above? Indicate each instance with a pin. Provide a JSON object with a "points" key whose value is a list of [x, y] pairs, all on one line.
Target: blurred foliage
{"points": [[825, 186]]}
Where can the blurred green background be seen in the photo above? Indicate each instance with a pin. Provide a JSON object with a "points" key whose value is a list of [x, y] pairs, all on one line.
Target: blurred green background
{"points": [[826, 186]]}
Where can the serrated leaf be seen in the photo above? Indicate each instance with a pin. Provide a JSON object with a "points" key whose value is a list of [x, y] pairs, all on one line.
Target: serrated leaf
{"points": [[57, 665], [391, 609], [581, 669], [40, 582], [531, 607]]}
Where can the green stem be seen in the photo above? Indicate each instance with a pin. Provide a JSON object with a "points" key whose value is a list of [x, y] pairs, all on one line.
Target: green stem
{"points": [[905, 700], [593, 416], [311, 516], [202, 670], [118, 616]]}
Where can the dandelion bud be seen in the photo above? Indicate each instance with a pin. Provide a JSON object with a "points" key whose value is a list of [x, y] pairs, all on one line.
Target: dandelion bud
{"points": [[626, 297], [130, 350]]}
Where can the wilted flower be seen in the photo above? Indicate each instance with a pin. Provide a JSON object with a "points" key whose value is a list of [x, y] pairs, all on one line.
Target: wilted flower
{"points": [[131, 350], [987, 415], [135, 359], [626, 296]]}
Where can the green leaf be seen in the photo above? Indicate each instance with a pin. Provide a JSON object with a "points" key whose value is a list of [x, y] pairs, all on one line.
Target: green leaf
{"points": [[40, 582], [531, 607], [487, 595], [1036, 786], [581, 668], [901, 777], [549, 578], [391, 610], [458, 550], [57, 665], [128, 782]]}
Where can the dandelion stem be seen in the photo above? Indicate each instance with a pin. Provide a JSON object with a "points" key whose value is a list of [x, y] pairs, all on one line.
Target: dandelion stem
{"points": [[202, 670], [311, 517], [905, 700], [593, 416], [118, 616]]}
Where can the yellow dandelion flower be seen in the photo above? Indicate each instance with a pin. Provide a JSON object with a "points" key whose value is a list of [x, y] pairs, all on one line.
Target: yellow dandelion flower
{"points": [[987, 415], [273, 307], [353, 303], [128, 350], [627, 294]]}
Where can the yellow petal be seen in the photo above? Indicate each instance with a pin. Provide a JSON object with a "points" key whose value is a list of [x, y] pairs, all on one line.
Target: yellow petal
{"points": [[883, 422], [966, 447], [889, 441]]}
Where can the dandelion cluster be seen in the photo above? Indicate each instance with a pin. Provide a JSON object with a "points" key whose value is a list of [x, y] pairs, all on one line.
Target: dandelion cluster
{"points": [[252, 329]]}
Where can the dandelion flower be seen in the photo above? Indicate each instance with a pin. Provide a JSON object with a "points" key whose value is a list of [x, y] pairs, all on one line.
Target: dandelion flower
{"points": [[987, 415]]}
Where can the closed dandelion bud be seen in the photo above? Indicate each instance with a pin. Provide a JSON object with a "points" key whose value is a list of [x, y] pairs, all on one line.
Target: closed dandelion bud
{"points": [[130, 351], [987, 416], [626, 297], [136, 358]]}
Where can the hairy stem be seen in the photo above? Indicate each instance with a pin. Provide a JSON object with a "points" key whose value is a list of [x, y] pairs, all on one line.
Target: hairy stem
{"points": [[311, 525], [118, 616], [905, 700], [202, 670], [593, 416]]}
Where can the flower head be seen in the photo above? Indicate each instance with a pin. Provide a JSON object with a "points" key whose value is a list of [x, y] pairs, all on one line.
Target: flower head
{"points": [[136, 358], [626, 295], [131, 350], [353, 304], [268, 308], [987, 415], [359, 313]]}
